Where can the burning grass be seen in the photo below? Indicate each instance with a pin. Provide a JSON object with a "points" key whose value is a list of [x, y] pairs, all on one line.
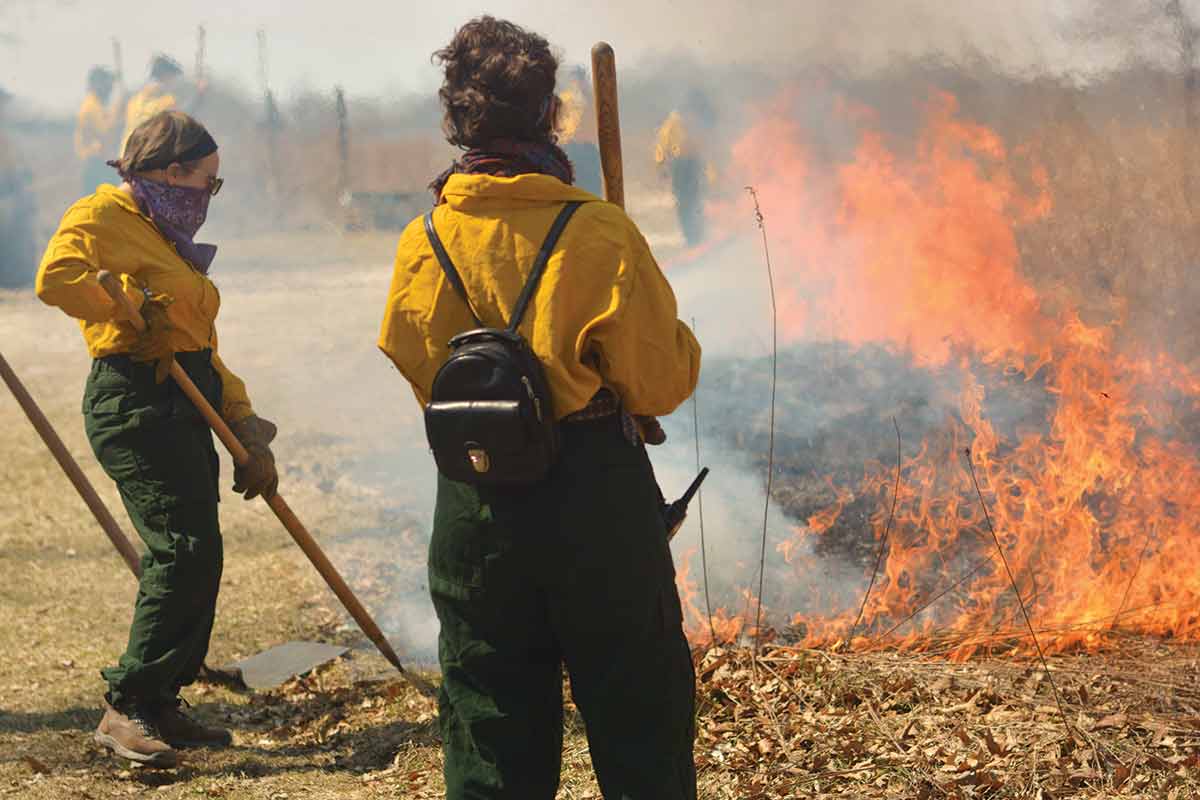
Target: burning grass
{"points": [[932, 261]]}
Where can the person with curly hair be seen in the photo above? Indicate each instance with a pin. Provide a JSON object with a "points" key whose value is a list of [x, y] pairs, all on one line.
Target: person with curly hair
{"points": [[575, 568]]}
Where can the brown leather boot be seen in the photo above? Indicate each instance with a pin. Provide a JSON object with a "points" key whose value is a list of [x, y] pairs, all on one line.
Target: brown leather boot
{"points": [[131, 734], [182, 731]]}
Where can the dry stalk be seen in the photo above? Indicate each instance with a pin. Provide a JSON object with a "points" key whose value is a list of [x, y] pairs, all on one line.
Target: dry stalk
{"points": [[762, 559], [1137, 568], [700, 506], [966, 577], [922, 763], [1017, 591], [774, 718], [882, 542]]}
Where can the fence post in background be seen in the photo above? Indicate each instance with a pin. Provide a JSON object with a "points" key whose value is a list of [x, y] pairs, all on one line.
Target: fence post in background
{"points": [[271, 123], [345, 198]]}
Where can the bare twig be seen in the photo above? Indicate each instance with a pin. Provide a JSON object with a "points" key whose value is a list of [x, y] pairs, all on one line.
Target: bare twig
{"points": [[769, 709], [1017, 592], [971, 573], [1137, 568], [923, 765], [883, 541], [700, 506], [762, 559]]}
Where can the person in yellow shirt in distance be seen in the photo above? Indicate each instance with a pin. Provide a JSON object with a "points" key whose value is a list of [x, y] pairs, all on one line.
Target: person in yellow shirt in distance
{"points": [[167, 90], [676, 154], [96, 128]]}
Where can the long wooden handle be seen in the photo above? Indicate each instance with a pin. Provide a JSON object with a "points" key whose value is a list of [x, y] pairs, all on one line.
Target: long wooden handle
{"points": [[608, 122], [290, 521], [608, 137], [71, 467]]}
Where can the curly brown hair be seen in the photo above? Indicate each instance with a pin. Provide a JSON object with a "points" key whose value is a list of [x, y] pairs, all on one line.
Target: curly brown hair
{"points": [[499, 84]]}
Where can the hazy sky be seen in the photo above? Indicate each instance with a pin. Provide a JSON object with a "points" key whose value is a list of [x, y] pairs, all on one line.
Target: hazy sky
{"points": [[383, 46]]}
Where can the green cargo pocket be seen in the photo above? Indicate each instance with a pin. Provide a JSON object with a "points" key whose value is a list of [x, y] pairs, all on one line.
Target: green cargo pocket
{"points": [[455, 563], [461, 528], [114, 398], [449, 588]]}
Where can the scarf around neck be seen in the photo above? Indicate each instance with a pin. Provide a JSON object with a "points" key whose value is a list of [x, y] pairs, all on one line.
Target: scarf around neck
{"points": [[177, 212], [508, 158]]}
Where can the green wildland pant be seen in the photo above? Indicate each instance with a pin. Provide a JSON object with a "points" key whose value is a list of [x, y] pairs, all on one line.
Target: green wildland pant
{"points": [[154, 444], [573, 570]]}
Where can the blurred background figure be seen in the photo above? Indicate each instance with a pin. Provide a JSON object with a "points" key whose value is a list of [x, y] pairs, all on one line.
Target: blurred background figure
{"points": [[167, 90], [676, 153], [18, 253], [577, 131], [96, 128]]}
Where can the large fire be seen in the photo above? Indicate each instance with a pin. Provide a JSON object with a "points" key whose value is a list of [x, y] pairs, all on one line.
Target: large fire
{"points": [[1097, 505]]}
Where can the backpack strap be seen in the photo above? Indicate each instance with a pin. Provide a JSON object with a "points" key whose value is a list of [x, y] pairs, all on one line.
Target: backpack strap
{"points": [[535, 274], [448, 266], [539, 265]]}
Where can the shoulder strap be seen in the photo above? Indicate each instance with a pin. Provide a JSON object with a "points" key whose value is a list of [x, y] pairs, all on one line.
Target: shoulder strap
{"points": [[539, 265], [535, 274], [448, 266]]}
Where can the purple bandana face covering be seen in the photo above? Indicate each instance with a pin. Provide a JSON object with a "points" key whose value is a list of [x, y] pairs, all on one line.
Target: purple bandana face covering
{"points": [[178, 211]]}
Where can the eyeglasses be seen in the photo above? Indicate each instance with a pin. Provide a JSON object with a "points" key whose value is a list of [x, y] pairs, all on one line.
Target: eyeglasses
{"points": [[214, 183]]}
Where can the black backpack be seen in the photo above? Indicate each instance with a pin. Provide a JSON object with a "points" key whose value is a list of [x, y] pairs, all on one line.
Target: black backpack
{"points": [[490, 418]]}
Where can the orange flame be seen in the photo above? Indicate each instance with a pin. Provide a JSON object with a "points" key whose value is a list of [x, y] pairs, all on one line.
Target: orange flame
{"points": [[1097, 506]]}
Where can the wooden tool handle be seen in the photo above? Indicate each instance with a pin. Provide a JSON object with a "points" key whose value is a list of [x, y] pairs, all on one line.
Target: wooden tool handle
{"points": [[283, 512], [71, 468], [112, 284], [608, 122], [608, 132]]}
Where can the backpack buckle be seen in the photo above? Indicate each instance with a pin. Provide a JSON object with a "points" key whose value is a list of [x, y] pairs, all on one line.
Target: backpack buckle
{"points": [[478, 458]]}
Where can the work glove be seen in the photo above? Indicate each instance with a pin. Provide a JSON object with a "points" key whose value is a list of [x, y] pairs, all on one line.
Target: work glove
{"points": [[652, 431], [258, 475], [153, 344]]}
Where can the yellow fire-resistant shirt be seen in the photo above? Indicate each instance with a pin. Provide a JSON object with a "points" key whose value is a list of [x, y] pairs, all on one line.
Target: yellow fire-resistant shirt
{"points": [[93, 127], [672, 141], [603, 314], [107, 231], [150, 99]]}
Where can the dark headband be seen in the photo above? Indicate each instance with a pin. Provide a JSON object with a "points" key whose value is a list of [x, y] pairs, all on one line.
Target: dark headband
{"points": [[205, 147]]}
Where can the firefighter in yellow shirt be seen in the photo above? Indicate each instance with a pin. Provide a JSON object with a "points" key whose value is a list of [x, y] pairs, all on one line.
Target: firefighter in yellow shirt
{"points": [[95, 128], [165, 91], [145, 433], [573, 569], [675, 153]]}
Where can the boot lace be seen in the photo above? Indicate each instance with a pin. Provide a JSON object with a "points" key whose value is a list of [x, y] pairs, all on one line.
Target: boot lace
{"points": [[177, 710], [144, 724]]}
